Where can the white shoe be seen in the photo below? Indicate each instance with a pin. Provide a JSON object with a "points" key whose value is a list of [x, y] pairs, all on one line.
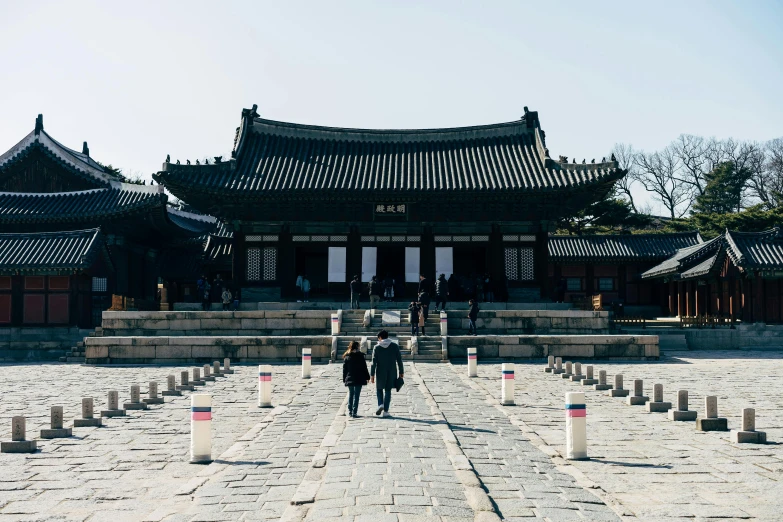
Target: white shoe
{"points": [[385, 414]]}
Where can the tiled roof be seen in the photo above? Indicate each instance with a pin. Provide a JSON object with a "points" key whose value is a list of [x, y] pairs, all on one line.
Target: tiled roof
{"points": [[49, 251], [217, 249], [684, 258], [756, 250], [77, 162], [625, 247], [192, 222], [275, 157], [74, 206], [704, 268]]}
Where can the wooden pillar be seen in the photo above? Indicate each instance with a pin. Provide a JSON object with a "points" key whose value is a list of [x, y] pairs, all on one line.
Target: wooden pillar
{"points": [[238, 258], [150, 276], [680, 300], [353, 255], [427, 253], [286, 264], [672, 303], [697, 295], [688, 298], [622, 281], [496, 259], [541, 260]]}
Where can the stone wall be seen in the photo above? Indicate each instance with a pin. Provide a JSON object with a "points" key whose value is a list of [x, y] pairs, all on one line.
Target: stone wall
{"points": [[529, 322], [757, 336], [38, 343], [258, 322], [176, 350], [618, 347]]}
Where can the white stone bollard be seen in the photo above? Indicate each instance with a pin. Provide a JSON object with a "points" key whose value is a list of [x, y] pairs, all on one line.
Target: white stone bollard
{"points": [[550, 364], [472, 363], [602, 382], [748, 433], [227, 366], [618, 390], [216, 369], [56, 431], [568, 370], [152, 394], [589, 380], [171, 387], [113, 406], [576, 426], [558, 366], [207, 373], [306, 360], [200, 429], [682, 413], [444, 324], [507, 384], [135, 400], [88, 415], [335, 324], [264, 386], [711, 421]]}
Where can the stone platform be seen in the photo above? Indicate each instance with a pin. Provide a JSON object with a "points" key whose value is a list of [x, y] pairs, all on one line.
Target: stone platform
{"points": [[619, 347]]}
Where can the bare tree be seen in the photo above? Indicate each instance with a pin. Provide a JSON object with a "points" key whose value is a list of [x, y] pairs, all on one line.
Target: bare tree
{"points": [[659, 173], [766, 183], [697, 157], [626, 159]]}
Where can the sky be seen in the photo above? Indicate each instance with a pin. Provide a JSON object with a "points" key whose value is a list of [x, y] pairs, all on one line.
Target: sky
{"points": [[140, 80]]}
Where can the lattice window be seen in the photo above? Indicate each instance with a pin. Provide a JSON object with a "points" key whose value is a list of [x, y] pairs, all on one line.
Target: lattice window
{"points": [[339, 238], [461, 239], [512, 264], [270, 264], [526, 264], [383, 239], [320, 238], [398, 239], [510, 237], [253, 264], [527, 237], [254, 238], [479, 238], [442, 239], [574, 284], [368, 239], [414, 239], [271, 238], [606, 284], [300, 238], [99, 284]]}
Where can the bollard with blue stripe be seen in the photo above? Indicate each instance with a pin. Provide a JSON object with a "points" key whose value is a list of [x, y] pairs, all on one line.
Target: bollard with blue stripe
{"points": [[200, 429], [507, 384], [472, 363], [307, 355], [576, 426], [264, 386]]}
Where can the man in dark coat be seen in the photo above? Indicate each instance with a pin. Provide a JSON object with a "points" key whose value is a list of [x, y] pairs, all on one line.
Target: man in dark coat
{"points": [[386, 360], [424, 285], [374, 289], [356, 292], [441, 292]]}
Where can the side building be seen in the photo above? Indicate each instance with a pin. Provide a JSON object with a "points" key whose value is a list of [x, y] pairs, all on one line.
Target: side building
{"points": [[72, 234], [334, 202]]}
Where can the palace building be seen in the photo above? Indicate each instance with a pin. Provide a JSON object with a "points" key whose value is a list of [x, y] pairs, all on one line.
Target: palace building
{"points": [[334, 202], [73, 233]]}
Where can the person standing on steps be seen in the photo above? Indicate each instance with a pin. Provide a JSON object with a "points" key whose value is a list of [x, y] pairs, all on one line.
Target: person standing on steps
{"points": [[386, 361], [424, 301], [441, 293], [306, 289], [356, 292], [424, 285], [299, 288], [472, 316], [226, 298], [374, 289], [415, 314], [355, 375]]}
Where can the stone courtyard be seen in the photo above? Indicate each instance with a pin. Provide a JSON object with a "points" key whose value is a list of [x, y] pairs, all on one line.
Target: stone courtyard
{"points": [[450, 451]]}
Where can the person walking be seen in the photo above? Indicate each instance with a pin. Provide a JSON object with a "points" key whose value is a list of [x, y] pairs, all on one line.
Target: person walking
{"points": [[305, 288], [226, 298], [388, 287], [441, 292], [374, 289], [489, 289], [415, 312], [355, 375], [386, 361], [206, 289], [356, 292], [472, 316]]}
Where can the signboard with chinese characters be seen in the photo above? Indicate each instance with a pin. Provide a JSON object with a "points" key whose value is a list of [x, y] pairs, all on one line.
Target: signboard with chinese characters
{"points": [[391, 208]]}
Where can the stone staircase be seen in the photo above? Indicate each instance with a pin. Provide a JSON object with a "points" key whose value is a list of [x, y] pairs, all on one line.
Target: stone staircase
{"points": [[353, 329], [77, 353]]}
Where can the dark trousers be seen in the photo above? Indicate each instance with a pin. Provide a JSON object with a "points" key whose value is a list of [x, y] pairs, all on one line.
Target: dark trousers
{"points": [[471, 325], [425, 310], [414, 328], [353, 398], [384, 400], [440, 302]]}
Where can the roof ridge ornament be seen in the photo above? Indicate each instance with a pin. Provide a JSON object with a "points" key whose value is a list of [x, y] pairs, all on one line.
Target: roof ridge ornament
{"points": [[85, 149], [39, 124]]}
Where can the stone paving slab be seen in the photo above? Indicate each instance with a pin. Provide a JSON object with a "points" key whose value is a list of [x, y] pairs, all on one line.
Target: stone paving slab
{"points": [[649, 467]]}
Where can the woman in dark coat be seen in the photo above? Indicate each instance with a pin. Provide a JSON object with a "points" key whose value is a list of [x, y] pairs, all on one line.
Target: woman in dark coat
{"points": [[415, 312], [355, 375], [386, 360]]}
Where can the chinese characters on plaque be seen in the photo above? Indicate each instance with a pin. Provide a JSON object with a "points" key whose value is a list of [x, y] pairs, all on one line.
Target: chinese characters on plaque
{"points": [[383, 208]]}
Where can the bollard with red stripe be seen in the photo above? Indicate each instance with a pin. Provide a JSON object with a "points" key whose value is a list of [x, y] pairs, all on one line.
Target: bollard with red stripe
{"points": [[472, 362], [507, 384], [200, 429], [264, 386], [307, 355], [335, 324], [576, 426]]}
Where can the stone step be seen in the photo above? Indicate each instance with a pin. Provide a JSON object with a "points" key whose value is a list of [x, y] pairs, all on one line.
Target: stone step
{"points": [[63, 359], [672, 342], [74, 359]]}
